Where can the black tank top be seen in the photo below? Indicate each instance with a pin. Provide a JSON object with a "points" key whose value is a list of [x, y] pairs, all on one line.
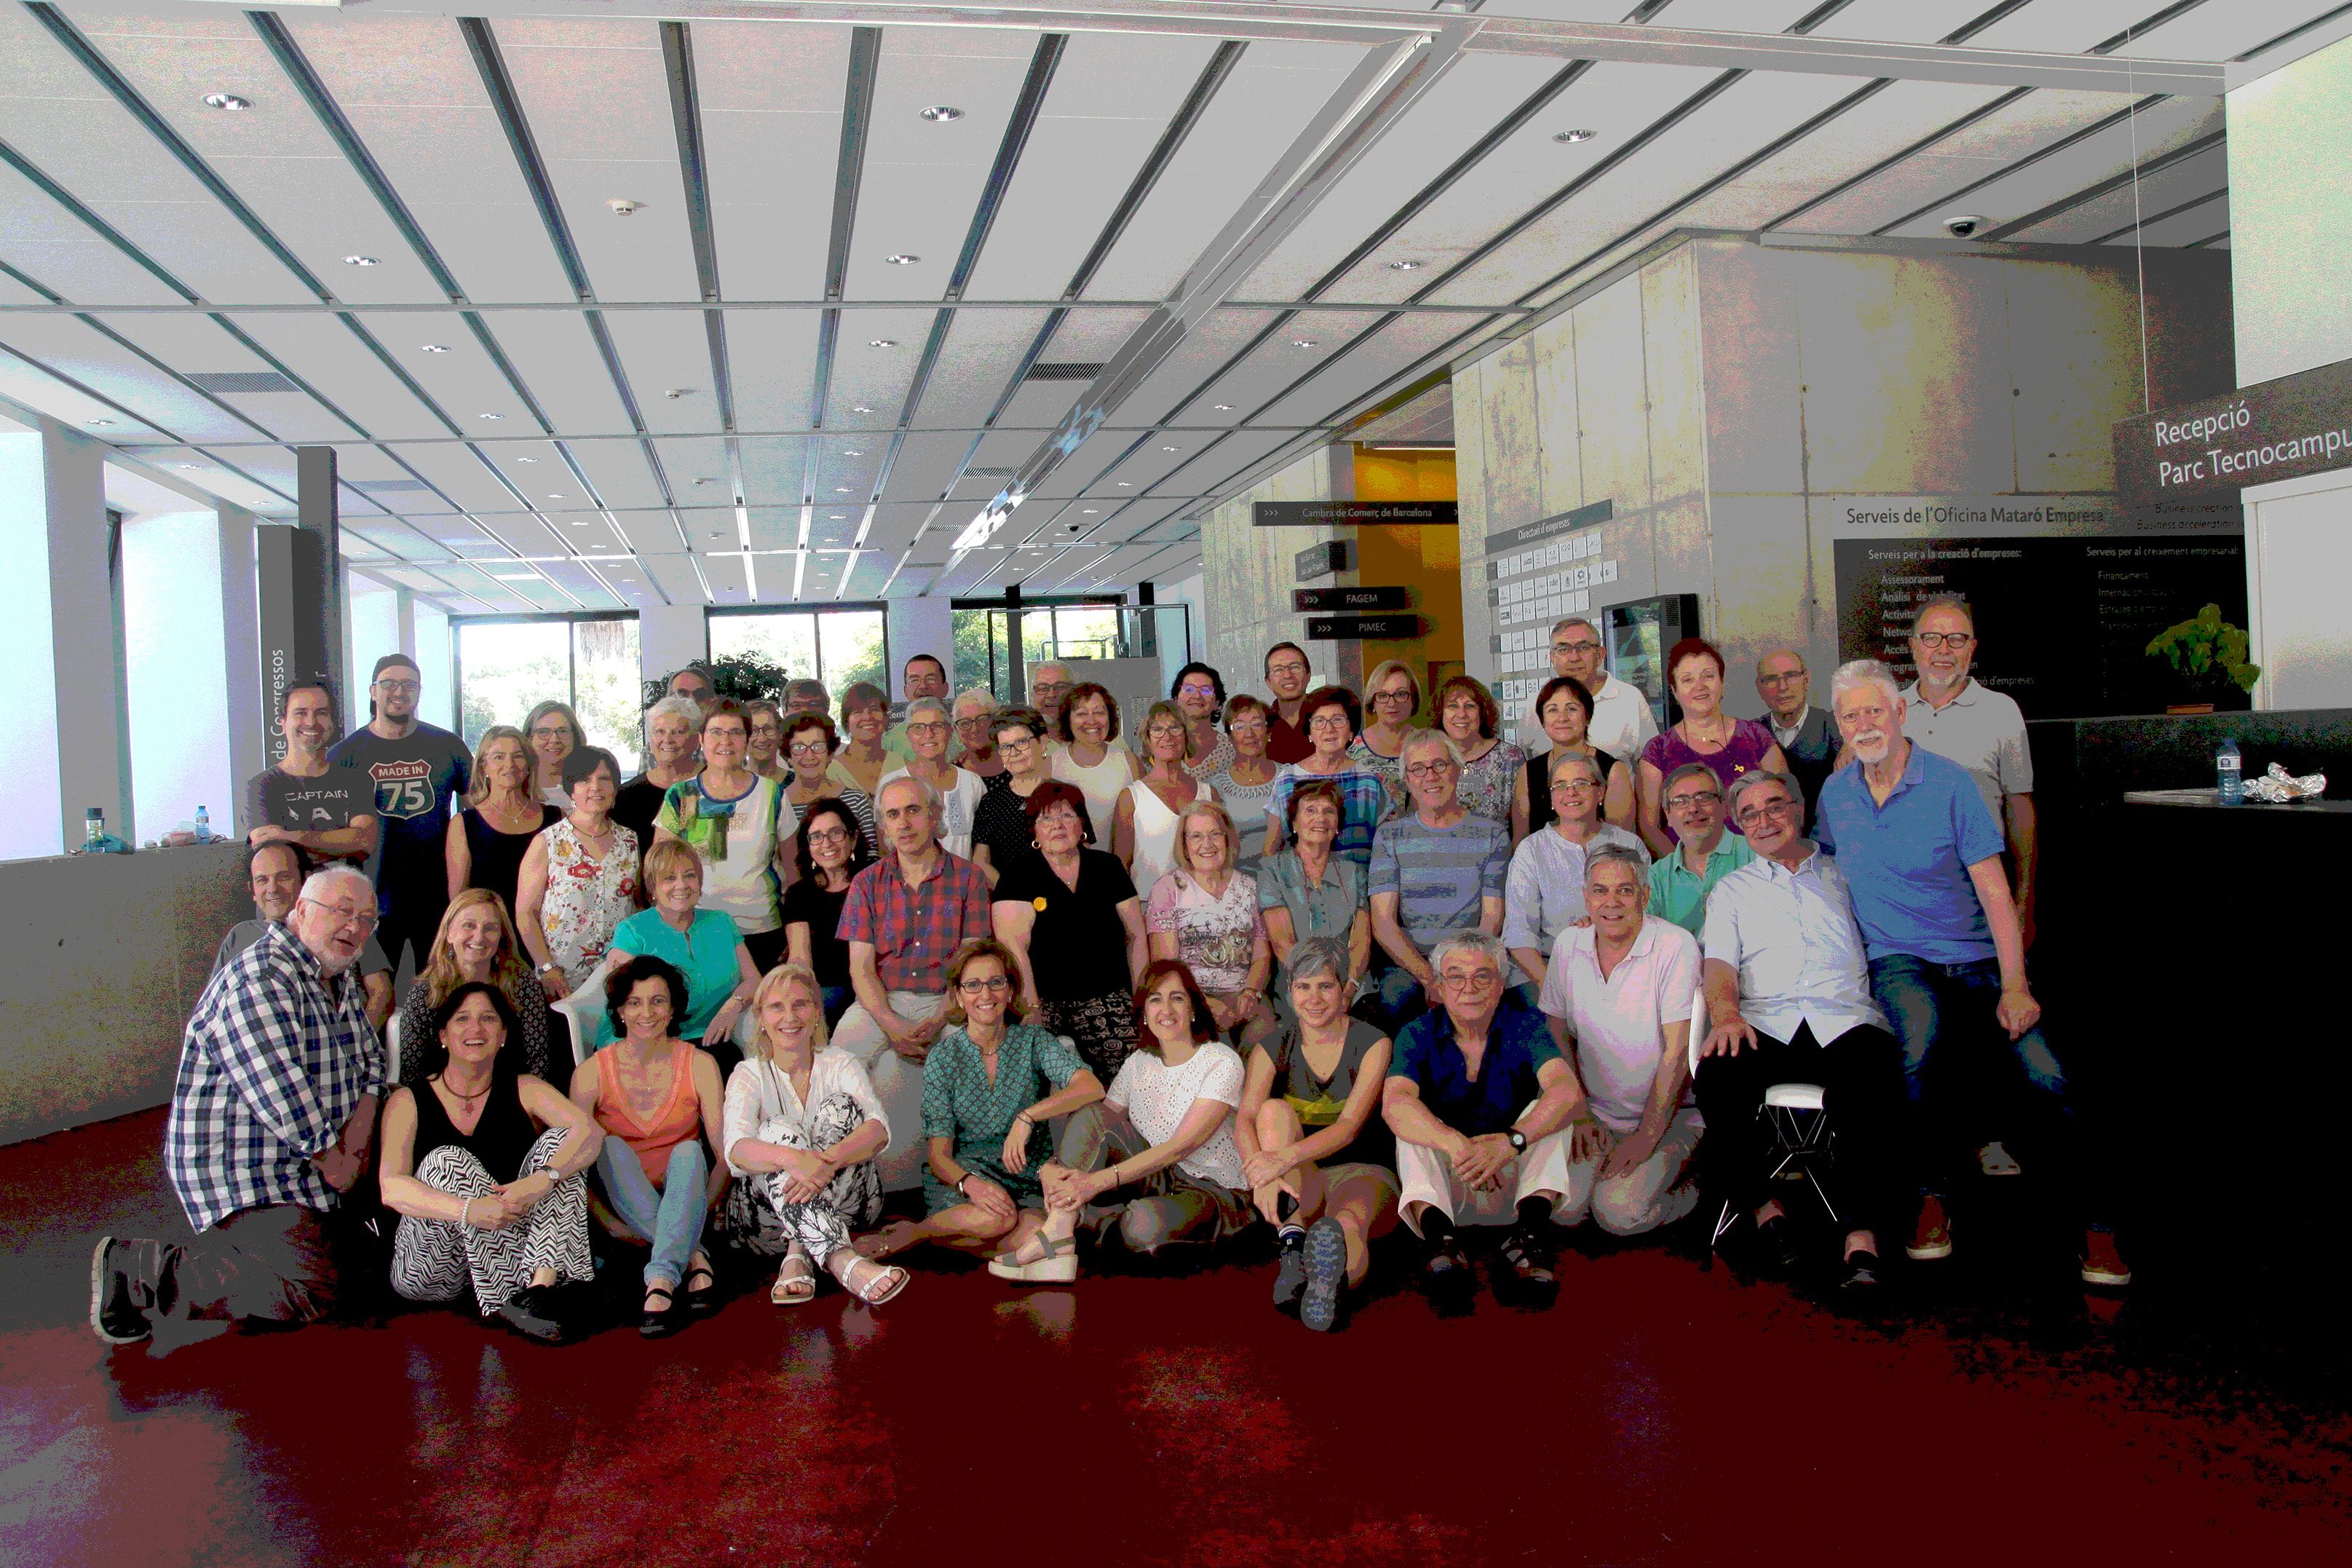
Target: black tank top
{"points": [[1539, 812], [500, 1140]]}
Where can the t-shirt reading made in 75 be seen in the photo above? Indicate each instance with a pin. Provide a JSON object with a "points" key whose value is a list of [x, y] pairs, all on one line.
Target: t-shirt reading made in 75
{"points": [[415, 779]]}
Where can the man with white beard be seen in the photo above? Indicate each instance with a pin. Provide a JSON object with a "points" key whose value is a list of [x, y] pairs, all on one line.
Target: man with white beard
{"points": [[1923, 857]]}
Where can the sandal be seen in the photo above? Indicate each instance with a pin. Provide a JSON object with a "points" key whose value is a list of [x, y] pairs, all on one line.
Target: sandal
{"points": [[660, 1322], [1056, 1263], [884, 1280], [795, 1283], [704, 1301]]}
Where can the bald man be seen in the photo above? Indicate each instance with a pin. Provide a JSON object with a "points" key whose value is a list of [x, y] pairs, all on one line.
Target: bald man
{"points": [[1808, 736]]}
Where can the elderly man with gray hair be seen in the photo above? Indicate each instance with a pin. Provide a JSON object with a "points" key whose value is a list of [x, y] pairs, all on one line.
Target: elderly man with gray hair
{"points": [[1923, 854], [1479, 1101], [272, 1115], [903, 918], [1437, 870], [1619, 993]]}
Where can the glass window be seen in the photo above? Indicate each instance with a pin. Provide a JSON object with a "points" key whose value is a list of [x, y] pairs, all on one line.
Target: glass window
{"points": [[839, 646], [606, 687], [506, 667]]}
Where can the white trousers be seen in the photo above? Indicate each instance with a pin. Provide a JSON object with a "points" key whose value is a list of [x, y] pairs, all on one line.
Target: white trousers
{"points": [[1429, 1182], [898, 1082], [1645, 1197]]}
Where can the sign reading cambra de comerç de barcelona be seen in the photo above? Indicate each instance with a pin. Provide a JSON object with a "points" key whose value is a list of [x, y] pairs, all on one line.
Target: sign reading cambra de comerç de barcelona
{"points": [[2281, 429]]}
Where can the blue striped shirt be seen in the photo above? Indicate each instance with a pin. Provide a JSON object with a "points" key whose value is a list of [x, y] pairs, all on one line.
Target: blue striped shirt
{"points": [[1440, 875]]}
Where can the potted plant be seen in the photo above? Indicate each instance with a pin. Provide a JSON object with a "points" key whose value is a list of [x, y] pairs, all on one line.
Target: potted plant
{"points": [[2209, 656], [747, 677]]}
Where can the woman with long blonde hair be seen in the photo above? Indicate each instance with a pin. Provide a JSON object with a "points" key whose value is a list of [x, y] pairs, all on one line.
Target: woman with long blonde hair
{"points": [[476, 941], [503, 813]]}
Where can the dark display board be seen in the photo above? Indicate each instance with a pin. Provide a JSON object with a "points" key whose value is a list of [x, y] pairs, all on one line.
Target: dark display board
{"points": [[1305, 599], [2283, 429], [2063, 625], [1349, 513]]}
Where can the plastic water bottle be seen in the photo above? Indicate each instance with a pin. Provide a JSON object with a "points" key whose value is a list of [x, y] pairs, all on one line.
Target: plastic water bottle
{"points": [[93, 831], [204, 827], [2231, 771]]}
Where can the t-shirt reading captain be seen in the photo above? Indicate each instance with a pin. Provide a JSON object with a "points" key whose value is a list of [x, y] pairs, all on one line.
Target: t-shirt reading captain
{"points": [[415, 779]]}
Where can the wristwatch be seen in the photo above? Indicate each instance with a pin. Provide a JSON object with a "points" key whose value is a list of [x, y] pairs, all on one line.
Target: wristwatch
{"points": [[1519, 1140]]}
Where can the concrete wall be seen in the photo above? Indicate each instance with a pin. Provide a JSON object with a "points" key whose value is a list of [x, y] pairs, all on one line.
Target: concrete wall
{"points": [[1247, 574], [105, 957]]}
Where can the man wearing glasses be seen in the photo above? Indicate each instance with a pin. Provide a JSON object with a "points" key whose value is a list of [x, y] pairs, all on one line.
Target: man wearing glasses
{"points": [[1806, 735], [417, 770], [1948, 959], [1954, 716], [924, 677], [1049, 686], [1286, 674], [272, 1115], [1621, 720], [1437, 871], [1703, 852]]}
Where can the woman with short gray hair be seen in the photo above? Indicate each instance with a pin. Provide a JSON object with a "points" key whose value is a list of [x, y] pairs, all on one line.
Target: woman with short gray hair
{"points": [[957, 791], [673, 730], [1320, 1159], [1544, 891]]}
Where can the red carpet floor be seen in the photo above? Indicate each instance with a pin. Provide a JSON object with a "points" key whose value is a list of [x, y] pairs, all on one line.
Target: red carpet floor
{"points": [[1656, 1414]]}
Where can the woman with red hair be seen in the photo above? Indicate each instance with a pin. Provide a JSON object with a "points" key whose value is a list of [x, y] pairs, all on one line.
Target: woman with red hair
{"points": [[1727, 747]]}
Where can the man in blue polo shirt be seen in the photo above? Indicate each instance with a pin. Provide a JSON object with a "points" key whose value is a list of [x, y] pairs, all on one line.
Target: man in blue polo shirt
{"points": [[1922, 855]]}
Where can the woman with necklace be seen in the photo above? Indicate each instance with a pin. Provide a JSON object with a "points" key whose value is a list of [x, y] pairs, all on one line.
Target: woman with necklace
{"points": [[1564, 709], [926, 730], [1705, 733], [741, 826], [475, 942], [579, 877], [1143, 833], [658, 1101], [1199, 693], [991, 1084], [802, 1127], [1090, 755], [483, 1162], [860, 764], [1392, 697], [830, 852], [1000, 827], [1245, 781], [1470, 717], [487, 840], [702, 945], [810, 742], [554, 730], [1069, 915], [1367, 798]]}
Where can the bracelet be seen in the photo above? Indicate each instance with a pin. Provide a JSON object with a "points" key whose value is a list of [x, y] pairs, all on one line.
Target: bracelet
{"points": [[465, 1214]]}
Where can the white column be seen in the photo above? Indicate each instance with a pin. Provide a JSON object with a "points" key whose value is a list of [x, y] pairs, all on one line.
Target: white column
{"points": [[669, 637], [61, 724], [919, 625]]}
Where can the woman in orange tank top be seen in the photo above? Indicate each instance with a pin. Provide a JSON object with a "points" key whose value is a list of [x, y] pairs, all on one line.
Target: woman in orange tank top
{"points": [[659, 1100]]}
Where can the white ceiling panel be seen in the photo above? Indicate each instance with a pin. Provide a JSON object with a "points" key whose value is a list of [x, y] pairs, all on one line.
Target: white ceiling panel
{"points": [[409, 89], [597, 97], [72, 348], [774, 468], [771, 105], [874, 365], [925, 465], [2065, 26], [2196, 220], [1206, 347], [189, 342], [457, 473], [676, 576], [664, 352], [2222, 32], [1268, 101], [1368, 367], [1888, 21], [2204, 175], [618, 469], [983, 348], [772, 360], [2111, 151], [686, 461], [441, 354], [64, 253], [556, 357], [328, 355]]}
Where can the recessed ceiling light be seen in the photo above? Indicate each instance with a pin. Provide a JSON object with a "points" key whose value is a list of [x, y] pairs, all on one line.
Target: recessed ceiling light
{"points": [[227, 100], [1169, 448], [1126, 484], [435, 348], [678, 392], [489, 415], [1090, 511], [852, 452], [702, 481], [97, 421], [360, 261], [526, 460], [902, 259], [1574, 135], [861, 408], [1224, 407], [881, 342], [579, 522], [941, 113], [838, 516], [843, 490], [1302, 342], [1404, 265], [558, 495]]}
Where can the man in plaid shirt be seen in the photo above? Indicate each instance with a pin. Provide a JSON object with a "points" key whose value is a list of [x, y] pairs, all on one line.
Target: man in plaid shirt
{"points": [[271, 1118], [903, 920]]}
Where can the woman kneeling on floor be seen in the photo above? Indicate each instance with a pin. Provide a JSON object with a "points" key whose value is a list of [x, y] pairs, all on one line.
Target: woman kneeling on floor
{"points": [[1166, 1127], [658, 1098], [802, 1128], [483, 1164], [1320, 1159], [989, 1086]]}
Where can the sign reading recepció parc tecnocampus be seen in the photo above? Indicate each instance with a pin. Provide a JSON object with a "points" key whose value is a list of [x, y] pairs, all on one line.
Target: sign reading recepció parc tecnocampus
{"points": [[2281, 429]]}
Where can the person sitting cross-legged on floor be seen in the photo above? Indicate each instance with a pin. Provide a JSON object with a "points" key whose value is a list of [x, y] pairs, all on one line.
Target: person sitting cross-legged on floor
{"points": [[1787, 1000], [484, 1167], [802, 1128], [1618, 993], [1319, 1160], [1479, 1101]]}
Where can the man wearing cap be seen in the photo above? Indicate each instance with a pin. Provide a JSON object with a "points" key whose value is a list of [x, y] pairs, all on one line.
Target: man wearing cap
{"points": [[417, 770]]}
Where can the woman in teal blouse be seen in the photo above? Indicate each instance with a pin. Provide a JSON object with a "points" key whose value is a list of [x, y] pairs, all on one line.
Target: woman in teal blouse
{"points": [[701, 944], [989, 1084]]}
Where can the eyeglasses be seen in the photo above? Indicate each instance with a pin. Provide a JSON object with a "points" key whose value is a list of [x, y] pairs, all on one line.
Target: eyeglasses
{"points": [[816, 748], [1588, 646], [1042, 686], [552, 733], [1164, 728], [1692, 798], [1289, 667], [1472, 980], [1573, 786], [933, 728], [1195, 689], [1253, 723], [1396, 695], [1330, 720], [364, 919], [1954, 640], [1788, 678], [1437, 770], [983, 987], [829, 836], [399, 687], [1772, 810]]}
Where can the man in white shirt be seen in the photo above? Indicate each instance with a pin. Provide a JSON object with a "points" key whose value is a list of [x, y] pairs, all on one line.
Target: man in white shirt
{"points": [[1618, 994], [1621, 720], [1787, 1000], [1948, 712]]}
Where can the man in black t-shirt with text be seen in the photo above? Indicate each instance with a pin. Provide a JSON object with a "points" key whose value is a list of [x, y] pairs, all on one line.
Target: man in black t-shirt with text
{"points": [[306, 800], [416, 771]]}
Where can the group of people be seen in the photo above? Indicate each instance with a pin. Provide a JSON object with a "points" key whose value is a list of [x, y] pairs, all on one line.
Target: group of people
{"points": [[1295, 960]]}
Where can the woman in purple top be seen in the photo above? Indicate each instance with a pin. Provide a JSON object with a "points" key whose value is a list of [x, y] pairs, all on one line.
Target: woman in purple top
{"points": [[1727, 746]]}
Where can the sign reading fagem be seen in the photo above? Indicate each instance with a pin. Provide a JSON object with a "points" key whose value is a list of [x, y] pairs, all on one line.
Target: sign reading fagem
{"points": [[2281, 429]]}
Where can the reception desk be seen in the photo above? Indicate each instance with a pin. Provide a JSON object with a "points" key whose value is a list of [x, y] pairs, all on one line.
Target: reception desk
{"points": [[104, 956]]}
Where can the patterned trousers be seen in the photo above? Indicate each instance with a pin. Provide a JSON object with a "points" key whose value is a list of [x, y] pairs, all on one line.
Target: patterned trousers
{"points": [[433, 1259], [1102, 1027], [759, 1216]]}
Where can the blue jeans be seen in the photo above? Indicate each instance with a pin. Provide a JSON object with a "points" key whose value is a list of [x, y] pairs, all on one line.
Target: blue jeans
{"points": [[838, 1000], [1956, 1057], [671, 1215]]}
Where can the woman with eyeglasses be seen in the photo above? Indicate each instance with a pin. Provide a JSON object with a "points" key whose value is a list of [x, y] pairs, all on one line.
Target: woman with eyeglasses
{"points": [[1070, 916], [991, 1084], [767, 747], [810, 742], [1205, 913], [1705, 733], [1199, 692], [554, 730], [1328, 716], [1245, 781], [1564, 707], [1144, 832], [927, 731], [975, 750], [739, 825], [1000, 827], [1470, 717], [830, 849], [1392, 697], [1543, 893]]}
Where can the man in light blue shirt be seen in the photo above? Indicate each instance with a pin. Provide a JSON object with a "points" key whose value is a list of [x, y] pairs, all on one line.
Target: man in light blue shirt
{"points": [[1703, 852], [1922, 855]]}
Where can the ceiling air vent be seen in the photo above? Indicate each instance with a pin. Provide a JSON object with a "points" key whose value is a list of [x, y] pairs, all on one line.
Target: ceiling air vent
{"points": [[1065, 370], [220, 381], [990, 473], [390, 487]]}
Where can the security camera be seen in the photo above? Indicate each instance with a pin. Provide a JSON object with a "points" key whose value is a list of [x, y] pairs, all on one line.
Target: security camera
{"points": [[1963, 226]]}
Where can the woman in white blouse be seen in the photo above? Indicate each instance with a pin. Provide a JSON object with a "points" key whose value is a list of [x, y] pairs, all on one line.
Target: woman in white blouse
{"points": [[928, 729], [1155, 1161], [802, 1128]]}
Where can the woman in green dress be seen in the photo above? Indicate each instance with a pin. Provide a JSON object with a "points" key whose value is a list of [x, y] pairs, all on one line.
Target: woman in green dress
{"points": [[989, 1086]]}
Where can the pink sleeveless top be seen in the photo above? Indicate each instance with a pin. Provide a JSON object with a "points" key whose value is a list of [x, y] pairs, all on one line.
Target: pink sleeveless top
{"points": [[680, 1118]]}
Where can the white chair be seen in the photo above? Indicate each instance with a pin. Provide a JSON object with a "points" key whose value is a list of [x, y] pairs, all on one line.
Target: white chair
{"points": [[1802, 1135], [583, 1010], [391, 1047]]}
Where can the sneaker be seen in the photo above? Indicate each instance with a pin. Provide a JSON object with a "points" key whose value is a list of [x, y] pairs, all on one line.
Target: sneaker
{"points": [[1931, 1238], [1326, 1272], [1446, 1273], [1290, 1271], [115, 1314], [1860, 1274], [2102, 1261]]}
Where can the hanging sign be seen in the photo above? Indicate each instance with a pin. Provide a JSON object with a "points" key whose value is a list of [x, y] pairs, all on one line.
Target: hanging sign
{"points": [[2281, 429], [1305, 599], [1350, 628], [1350, 513]]}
